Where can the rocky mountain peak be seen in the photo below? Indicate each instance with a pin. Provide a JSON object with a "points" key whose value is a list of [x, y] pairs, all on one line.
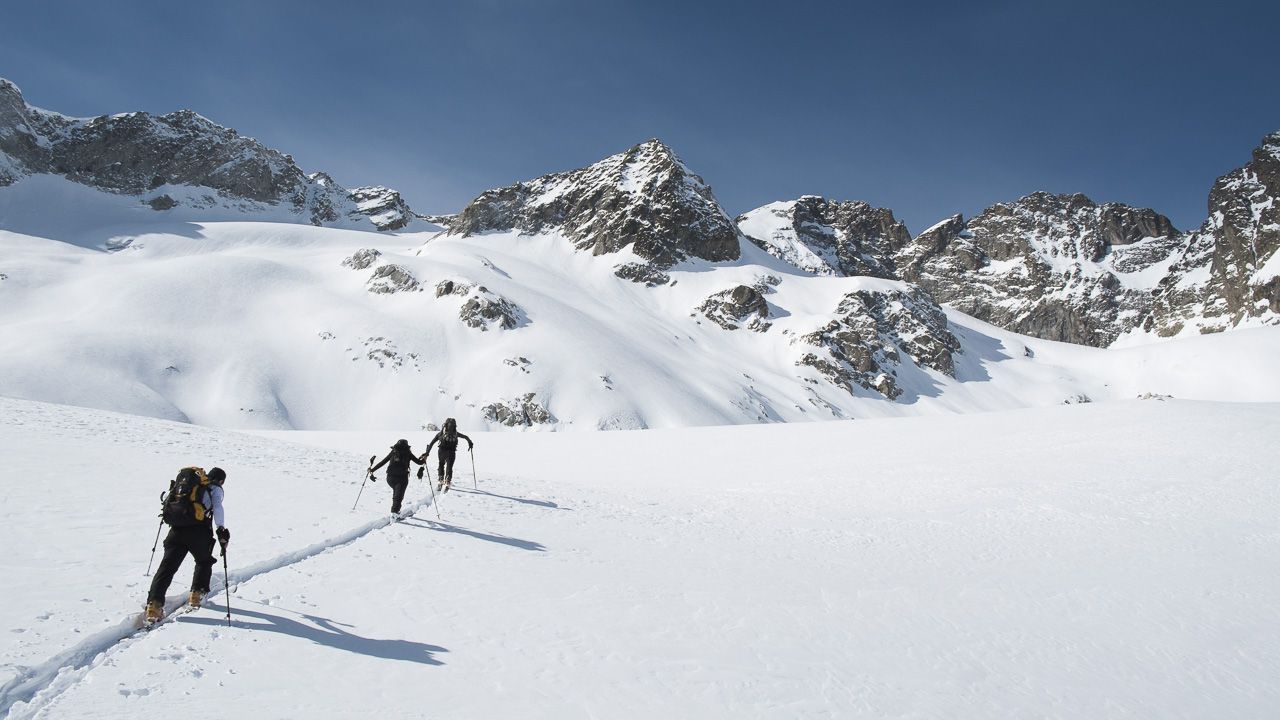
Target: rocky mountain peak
{"points": [[645, 198], [177, 159], [1229, 273], [826, 237], [1059, 267]]}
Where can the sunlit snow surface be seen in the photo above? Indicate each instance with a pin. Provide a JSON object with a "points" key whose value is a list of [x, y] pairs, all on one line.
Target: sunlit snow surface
{"points": [[976, 549], [1103, 560], [259, 325]]}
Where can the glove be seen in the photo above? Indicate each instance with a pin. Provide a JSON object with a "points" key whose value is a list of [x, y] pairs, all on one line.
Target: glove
{"points": [[420, 473], [224, 536], [469, 446]]}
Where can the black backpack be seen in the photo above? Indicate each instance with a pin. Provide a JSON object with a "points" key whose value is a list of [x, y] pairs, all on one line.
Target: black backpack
{"points": [[183, 505], [449, 435]]}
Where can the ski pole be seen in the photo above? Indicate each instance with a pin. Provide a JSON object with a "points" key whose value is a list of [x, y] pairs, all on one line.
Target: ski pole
{"points": [[432, 487], [475, 483], [226, 583], [367, 474], [154, 545]]}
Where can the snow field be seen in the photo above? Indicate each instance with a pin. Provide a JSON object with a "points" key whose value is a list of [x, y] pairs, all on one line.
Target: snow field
{"points": [[258, 326], [1102, 560]]}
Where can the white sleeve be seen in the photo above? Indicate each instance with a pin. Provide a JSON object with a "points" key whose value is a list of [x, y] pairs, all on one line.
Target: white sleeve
{"points": [[215, 495]]}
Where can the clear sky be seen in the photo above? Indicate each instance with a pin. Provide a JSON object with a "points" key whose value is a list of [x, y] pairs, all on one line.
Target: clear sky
{"points": [[927, 108]]}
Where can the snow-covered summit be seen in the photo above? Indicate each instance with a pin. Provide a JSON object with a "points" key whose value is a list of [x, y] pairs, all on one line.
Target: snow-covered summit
{"points": [[645, 198]]}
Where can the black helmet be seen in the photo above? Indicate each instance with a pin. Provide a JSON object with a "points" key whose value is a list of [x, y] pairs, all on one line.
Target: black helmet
{"points": [[401, 443], [217, 476]]}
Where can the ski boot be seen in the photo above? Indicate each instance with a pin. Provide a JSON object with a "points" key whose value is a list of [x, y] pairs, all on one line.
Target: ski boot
{"points": [[196, 598], [155, 612]]}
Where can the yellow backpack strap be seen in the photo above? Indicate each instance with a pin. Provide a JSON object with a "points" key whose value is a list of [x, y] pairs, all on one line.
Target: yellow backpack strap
{"points": [[200, 509]]}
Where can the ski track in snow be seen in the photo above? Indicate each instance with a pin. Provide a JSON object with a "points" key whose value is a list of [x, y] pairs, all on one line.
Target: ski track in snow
{"points": [[1105, 560], [38, 686], [28, 424]]}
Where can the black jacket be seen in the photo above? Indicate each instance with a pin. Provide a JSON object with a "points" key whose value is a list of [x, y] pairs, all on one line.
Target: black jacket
{"points": [[397, 462], [445, 444]]}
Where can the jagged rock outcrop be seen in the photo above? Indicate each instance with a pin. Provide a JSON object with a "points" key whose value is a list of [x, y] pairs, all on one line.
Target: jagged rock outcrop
{"points": [[384, 207], [362, 259], [825, 237], [1059, 267], [389, 279], [864, 345], [741, 305], [159, 157], [645, 199], [641, 273], [524, 410], [484, 309], [1229, 274]]}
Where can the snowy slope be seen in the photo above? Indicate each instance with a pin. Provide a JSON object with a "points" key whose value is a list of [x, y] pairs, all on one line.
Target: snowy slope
{"points": [[261, 325], [1106, 560]]}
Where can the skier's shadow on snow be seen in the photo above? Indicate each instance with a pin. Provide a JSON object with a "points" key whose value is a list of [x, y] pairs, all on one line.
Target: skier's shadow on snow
{"points": [[526, 501], [326, 632], [500, 539]]}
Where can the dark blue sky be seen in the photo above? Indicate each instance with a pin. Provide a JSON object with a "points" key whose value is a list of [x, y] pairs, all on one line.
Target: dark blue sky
{"points": [[927, 108]]}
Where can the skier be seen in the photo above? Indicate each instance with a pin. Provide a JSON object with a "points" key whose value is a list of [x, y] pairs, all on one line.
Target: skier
{"points": [[397, 462], [196, 539], [448, 439]]}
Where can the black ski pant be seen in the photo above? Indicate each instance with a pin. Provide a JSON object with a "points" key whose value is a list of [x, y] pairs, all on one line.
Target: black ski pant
{"points": [[398, 486], [446, 456], [194, 539]]}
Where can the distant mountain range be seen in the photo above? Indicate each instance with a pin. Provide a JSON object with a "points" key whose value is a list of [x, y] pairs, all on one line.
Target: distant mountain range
{"points": [[1058, 267], [843, 301]]}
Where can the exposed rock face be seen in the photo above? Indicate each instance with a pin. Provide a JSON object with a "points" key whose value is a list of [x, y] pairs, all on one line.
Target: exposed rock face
{"points": [[482, 308], [363, 259], [641, 273], [864, 346], [524, 410], [1059, 267], [147, 156], [645, 198], [824, 237], [389, 279], [1229, 273], [384, 207], [741, 305]]}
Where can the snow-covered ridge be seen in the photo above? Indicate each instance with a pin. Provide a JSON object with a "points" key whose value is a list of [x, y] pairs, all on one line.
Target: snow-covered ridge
{"points": [[180, 160], [1063, 267]]}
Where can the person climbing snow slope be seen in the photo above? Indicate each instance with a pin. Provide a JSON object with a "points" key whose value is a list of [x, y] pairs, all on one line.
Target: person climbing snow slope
{"points": [[397, 462], [448, 439], [192, 508]]}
